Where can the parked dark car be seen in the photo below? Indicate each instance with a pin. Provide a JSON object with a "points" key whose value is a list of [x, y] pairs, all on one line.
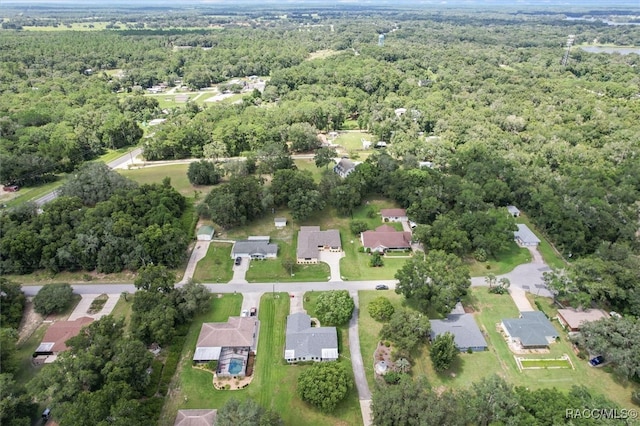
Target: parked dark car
{"points": [[382, 287], [238, 260], [596, 361]]}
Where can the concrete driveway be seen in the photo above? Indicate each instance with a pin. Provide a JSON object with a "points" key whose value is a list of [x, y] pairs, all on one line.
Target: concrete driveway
{"points": [[333, 260], [364, 394], [250, 300], [240, 271], [84, 304], [198, 253], [296, 302]]}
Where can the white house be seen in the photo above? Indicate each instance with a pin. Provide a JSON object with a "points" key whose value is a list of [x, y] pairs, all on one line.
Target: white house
{"points": [[394, 215], [513, 211]]}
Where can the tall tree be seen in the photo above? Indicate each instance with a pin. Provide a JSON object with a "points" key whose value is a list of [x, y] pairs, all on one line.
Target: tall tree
{"points": [[52, 298], [234, 412], [324, 384], [443, 351], [406, 329], [435, 281], [334, 307], [12, 302]]}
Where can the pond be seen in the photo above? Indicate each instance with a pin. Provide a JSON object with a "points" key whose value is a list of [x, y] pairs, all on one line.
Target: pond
{"points": [[611, 49]]}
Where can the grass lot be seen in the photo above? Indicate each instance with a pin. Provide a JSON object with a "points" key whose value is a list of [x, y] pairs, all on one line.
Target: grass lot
{"points": [[310, 165], [113, 154], [322, 54], [76, 26], [45, 277], [26, 371], [274, 382], [490, 310], [177, 173], [123, 309], [504, 262], [271, 270], [352, 141], [216, 266]]}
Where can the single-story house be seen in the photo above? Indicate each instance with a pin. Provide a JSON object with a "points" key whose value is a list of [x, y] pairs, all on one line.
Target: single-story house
{"points": [[532, 330], [306, 343], [311, 240], [427, 164], [464, 328], [255, 248], [386, 238], [205, 233], [280, 222], [525, 236], [400, 111], [229, 343], [196, 417], [55, 338], [513, 211], [394, 215], [344, 167], [572, 319]]}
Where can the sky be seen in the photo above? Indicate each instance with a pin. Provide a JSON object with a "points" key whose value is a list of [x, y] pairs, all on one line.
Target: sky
{"points": [[584, 3]]}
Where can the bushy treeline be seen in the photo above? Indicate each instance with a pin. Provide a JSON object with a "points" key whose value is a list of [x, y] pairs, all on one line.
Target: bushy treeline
{"points": [[133, 226]]}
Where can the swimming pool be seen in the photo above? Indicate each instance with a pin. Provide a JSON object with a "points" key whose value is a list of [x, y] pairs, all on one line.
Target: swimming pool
{"points": [[235, 365]]}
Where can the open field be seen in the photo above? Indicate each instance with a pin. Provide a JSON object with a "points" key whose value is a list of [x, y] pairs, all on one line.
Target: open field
{"points": [[310, 166], [490, 309], [274, 382], [177, 173], [271, 270], [76, 26], [352, 141]]}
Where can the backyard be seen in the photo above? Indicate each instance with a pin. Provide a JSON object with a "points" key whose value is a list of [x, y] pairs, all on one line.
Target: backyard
{"points": [[274, 382]]}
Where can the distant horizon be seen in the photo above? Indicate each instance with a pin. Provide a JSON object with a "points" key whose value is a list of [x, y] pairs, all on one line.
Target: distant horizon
{"points": [[596, 4]]}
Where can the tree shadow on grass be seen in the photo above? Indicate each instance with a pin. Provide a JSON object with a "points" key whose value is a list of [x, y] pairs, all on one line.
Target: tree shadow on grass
{"points": [[456, 369]]}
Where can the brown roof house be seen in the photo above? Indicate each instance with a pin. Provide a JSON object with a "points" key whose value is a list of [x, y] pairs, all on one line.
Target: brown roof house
{"points": [[311, 240], [56, 336], [229, 343], [386, 238], [394, 215], [201, 417], [572, 319]]}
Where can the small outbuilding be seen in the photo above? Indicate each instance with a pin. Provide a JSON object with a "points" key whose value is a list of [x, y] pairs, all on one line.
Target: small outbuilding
{"points": [[513, 211], [205, 233], [280, 222], [525, 236]]}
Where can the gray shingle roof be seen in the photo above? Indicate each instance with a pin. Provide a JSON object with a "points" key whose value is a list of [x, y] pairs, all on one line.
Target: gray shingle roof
{"points": [[525, 234], [533, 329], [307, 341], [311, 237], [464, 329], [253, 248]]}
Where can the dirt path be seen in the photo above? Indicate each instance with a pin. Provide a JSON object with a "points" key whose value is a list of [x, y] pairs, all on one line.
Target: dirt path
{"points": [[30, 322]]}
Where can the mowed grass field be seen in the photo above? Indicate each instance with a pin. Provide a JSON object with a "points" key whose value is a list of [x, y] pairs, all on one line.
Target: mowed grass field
{"points": [[490, 309], [176, 172], [274, 383], [216, 266]]}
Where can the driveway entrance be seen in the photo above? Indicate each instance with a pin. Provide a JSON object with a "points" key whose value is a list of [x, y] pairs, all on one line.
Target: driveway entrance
{"points": [[332, 259]]}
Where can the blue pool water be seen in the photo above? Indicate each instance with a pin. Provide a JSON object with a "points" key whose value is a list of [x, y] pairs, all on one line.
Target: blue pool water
{"points": [[235, 365]]}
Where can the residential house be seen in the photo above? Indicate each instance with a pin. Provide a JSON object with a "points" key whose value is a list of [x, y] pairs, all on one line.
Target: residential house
{"points": [[532, 330], [196, 417], [311, 240], [306, 343], [255, 248], [344, 167], [572, 319], [205, 233], [386, 238], [464, 329], [394, 215], [280, 222], [230, 343], [513, 211], [55, 338], [525, 236]]}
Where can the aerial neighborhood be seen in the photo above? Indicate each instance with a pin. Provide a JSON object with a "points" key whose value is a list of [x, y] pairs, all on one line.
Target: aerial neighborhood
{"points": [[221, 214]]}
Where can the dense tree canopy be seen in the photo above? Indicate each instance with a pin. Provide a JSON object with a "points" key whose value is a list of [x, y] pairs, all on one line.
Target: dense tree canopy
{"points": [[406, 329], [12, 302], [334, 307], [234, 413], [52, 298], [436, 281], [443, 351], [324, 384]]}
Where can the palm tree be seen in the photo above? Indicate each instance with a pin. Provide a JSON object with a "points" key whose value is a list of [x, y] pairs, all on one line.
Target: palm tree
{"points": [[403, 365]]}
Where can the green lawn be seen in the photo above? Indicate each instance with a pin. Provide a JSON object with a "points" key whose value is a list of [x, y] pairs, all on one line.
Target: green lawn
{"points": [[177, 173], [545, 363], [274, 383], [310, 166], [271, 270], [30, 193], [26, 371], [504, 262], [123, 309], [216, 266], [352, 141]]}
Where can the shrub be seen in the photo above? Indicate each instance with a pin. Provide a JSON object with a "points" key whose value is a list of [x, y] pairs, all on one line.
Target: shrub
{"points": [[635, 397], [52, 298], [480, 255], [392, 377], [380, 309]]}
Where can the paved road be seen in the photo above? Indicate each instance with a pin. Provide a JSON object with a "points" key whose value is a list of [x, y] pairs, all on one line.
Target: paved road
{"points": [[293, 287]]}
